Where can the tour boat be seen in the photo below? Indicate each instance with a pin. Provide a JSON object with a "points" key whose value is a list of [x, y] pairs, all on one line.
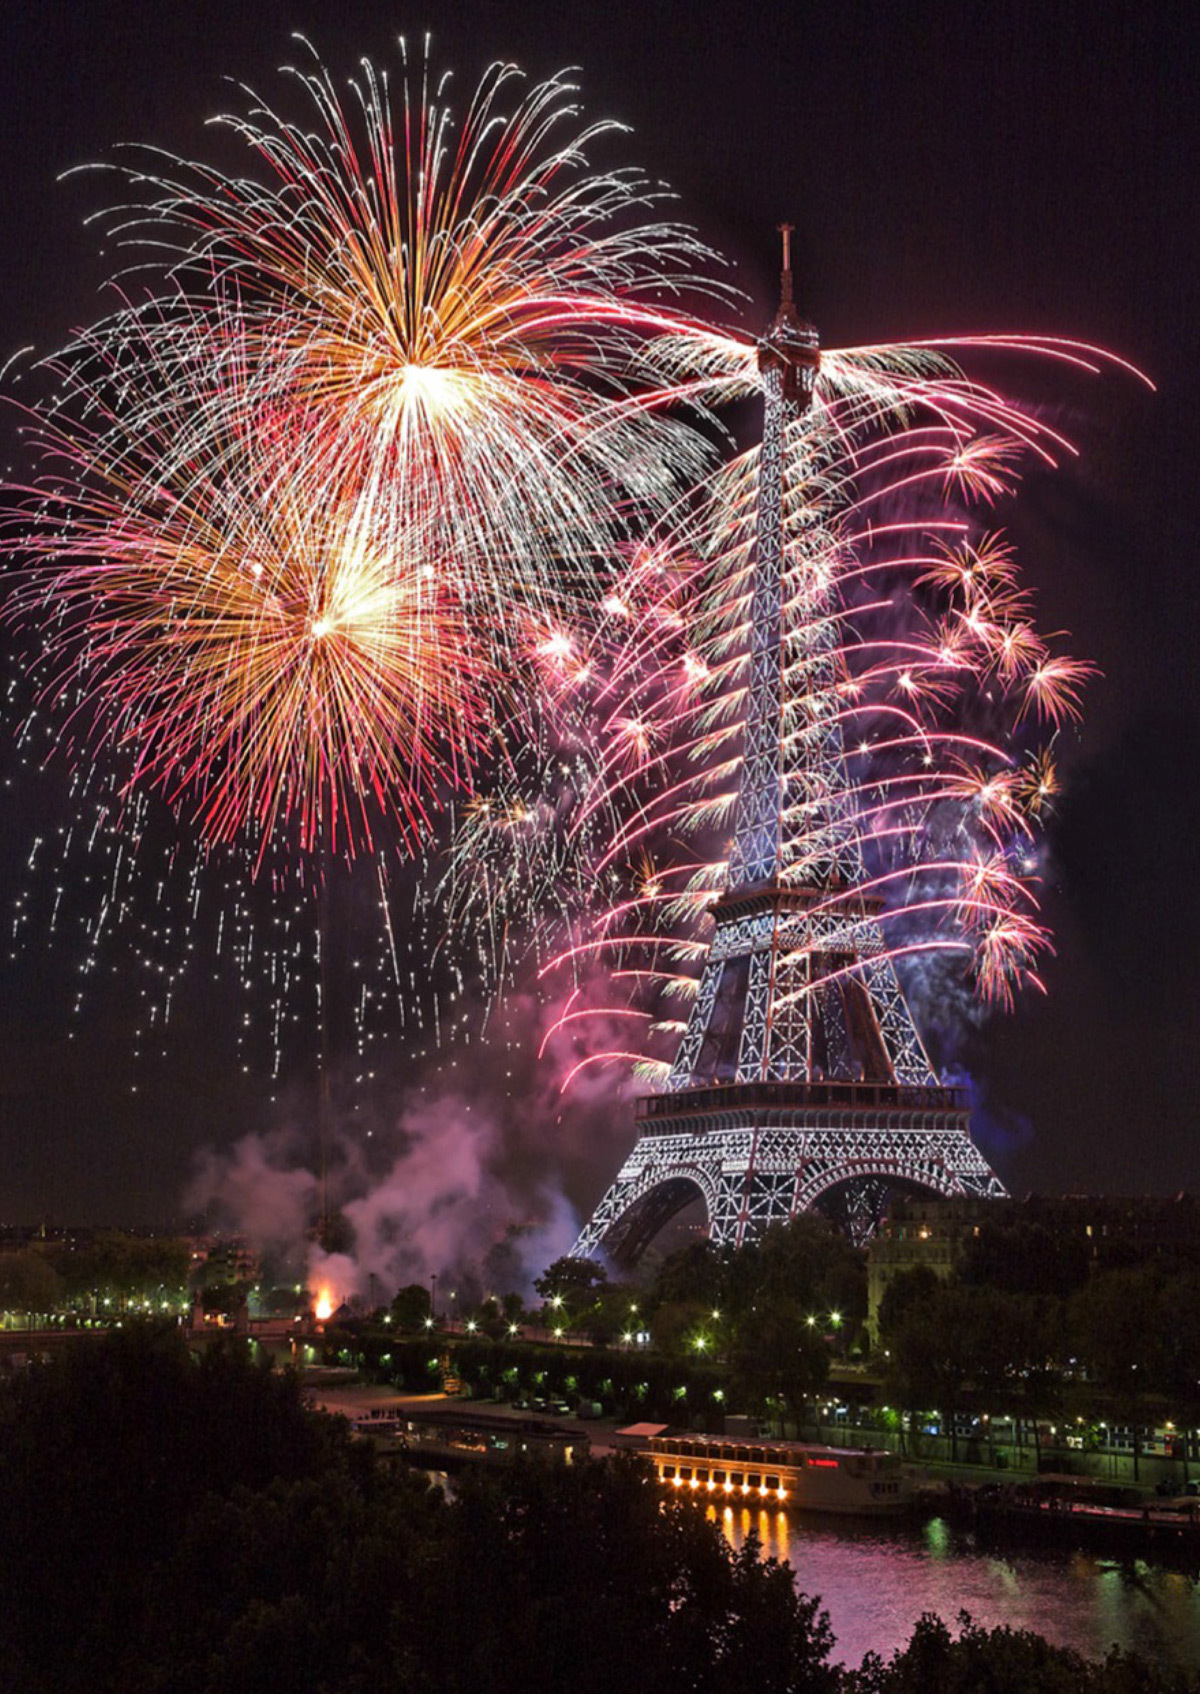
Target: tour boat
{"points": [[801, 1475]]}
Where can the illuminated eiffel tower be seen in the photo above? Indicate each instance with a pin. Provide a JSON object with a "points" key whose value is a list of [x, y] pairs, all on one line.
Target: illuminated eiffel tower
{"points": [[800, 1080]]}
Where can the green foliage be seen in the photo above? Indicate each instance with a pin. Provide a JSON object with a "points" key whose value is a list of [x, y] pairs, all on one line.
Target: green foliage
{"points": [[613, 1315], [950, 1345], [805, 1260], [907, 1291], [172, 1524], [104, 1455], [675, 1326], [1118, 1322], [28, 1282], [176, 1524], [1005, 1661], [644, 1383], [223, 1297], [777, 1357], [576, 1283], [569, 1578], [698, 1272], [1029, 1315], [411, 1307], [120, 1268]]}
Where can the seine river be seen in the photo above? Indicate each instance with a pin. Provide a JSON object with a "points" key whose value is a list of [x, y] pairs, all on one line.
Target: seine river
{"points": [[875, 1581]]}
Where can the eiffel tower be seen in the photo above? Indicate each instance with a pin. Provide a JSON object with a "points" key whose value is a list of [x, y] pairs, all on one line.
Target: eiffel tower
{"points": [[800, 1081]]}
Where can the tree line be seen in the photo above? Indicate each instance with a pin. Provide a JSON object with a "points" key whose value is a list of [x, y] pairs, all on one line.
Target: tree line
{"points": [[177, 1523], [1028, 1323]]}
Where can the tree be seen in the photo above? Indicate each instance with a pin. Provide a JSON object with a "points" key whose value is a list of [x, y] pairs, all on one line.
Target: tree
{"points": [[908, 1289], [614, 1315], [676, 1324], [28, 1282], [572, 1285], [924, 1368], [104, 1455], [575, 1578], [123, 1268], [776, 1355], [805, 1260], [1004, 1661], [200, 1530], [412, 1306], [697, 1272], [1122, 1322], [223, 1298]]}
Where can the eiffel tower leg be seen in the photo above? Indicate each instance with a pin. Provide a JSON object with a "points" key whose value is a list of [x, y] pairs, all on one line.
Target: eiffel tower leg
{"points": [[858, 1207], [727, 1226], [771, 1185], [660, 1177], [617, 1201]]}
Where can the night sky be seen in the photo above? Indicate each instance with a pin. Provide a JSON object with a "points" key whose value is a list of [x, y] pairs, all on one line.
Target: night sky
{"points": [[949, 169]]}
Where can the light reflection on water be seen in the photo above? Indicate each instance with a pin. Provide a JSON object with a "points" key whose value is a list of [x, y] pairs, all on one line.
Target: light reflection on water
{"points": [[876, 1579]]}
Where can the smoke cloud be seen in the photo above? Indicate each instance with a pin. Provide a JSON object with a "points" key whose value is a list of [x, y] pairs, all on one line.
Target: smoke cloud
{"points": [[469, 1176]]}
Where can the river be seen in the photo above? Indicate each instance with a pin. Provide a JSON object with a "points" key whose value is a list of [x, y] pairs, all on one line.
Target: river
{"points": [[875, 1580]]}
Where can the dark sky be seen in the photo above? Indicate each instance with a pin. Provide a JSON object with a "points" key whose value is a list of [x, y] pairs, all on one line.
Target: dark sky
{"points": [[1008, 167]]}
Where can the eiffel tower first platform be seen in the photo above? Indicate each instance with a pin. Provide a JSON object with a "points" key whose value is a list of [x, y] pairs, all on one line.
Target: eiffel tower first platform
{"points": [[800, 1081]]}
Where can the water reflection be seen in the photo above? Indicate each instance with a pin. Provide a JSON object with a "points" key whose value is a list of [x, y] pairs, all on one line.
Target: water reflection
{"points": [[876, 1580]]}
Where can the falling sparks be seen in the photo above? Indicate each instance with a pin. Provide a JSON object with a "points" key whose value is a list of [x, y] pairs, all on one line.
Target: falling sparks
{"points": [[916, 689]]}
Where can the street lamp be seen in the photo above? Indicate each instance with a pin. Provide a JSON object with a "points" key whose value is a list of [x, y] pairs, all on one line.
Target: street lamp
{"points": [[433, 1298]]}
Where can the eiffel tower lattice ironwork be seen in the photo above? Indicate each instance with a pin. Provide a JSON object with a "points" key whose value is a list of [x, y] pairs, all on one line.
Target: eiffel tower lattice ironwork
{"points": [[800, 1077]]}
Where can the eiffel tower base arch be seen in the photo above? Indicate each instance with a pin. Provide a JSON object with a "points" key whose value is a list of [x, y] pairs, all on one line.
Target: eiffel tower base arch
{"points": [[752, 1174]]}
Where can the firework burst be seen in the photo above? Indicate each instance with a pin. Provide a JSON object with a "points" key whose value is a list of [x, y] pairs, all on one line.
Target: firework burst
{"points": [[248, 654], [465, 317], [372, 439]]}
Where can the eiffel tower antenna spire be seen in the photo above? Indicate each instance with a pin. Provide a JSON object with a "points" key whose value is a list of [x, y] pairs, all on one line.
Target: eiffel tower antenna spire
{"points": [[786, 297], [800, 1078]]}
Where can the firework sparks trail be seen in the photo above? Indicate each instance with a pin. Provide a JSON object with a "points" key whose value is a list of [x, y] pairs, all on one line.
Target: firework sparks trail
{"points": [[911, 642]]}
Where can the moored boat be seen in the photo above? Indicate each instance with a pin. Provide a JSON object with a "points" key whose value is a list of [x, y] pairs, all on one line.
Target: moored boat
{"points": [[802, 1475]]}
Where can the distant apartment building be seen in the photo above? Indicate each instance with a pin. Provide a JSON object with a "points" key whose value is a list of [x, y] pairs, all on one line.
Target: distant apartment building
{"points": [[1114, 1230]]}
